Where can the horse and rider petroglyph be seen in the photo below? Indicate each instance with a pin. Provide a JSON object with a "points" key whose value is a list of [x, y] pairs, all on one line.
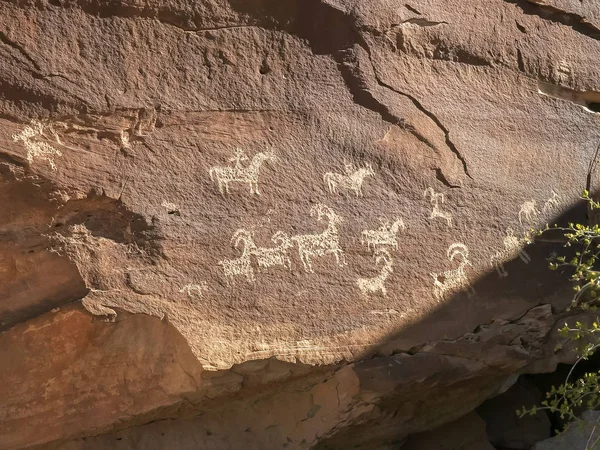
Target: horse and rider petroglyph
{"points": [[240, 173], [455, 280], [513, 247], [384, 236], [528, 211], [552, 203], [353, 179], [435, 198]]}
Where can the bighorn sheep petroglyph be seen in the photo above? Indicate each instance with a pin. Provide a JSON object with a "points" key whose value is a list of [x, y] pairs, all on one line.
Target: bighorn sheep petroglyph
{"points": [[455, 280], [377, 283]]}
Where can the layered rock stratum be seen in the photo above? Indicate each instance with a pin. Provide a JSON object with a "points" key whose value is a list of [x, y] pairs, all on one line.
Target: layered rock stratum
{"points": [[278, 223]]}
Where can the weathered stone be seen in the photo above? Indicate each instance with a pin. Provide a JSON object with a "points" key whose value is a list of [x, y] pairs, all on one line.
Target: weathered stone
{"points": [[581, 434], [121, 189]]}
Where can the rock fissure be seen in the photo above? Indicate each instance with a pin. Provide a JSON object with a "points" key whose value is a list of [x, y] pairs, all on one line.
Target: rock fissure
{"points": [[548, 12]]}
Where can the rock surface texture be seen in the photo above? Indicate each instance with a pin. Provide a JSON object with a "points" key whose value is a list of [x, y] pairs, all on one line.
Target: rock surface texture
{"points": [[282, 223]]}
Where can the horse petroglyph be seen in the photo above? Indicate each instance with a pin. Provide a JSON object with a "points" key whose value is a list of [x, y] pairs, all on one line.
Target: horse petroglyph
{"points": [[452, 281], [239, 173], [32, 137], [384, 236], [528, 211], [377, 284], [267, 256], [513, 247], [552, 203], [352, 180], [435, 198], [325, 243]]}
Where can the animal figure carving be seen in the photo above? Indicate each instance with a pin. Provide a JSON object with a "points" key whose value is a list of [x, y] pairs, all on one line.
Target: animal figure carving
{"points": [[241, 265], [32, 136], [325, 243], [377, 284], [435, 199], [528, 211], [352, 180], [513, 247], [384, 236], [274, 256], [552, 203], [455, 280], [239, 173]]}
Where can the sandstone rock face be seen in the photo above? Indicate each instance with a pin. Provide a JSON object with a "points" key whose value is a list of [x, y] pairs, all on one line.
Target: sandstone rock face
{"points": [[304, 218]]}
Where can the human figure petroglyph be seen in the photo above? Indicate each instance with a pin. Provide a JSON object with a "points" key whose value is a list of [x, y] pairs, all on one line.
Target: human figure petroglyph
{"points": [[195, 290], [435, 198], [552, 203], [352, 180], [377, 283], [528, 211], [455, 280], [239, 173], [513, 247], [325, 243], [32, 136], [384, 236], [241, 265]]}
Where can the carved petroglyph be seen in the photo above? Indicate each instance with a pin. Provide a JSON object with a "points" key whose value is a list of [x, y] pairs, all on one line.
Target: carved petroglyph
{"points": [[377, 284], [195, 290], [528, 211], [274, 256], [240, 266], [325, 243], [353, 179], [435, 198], [552, 203], [33, 136], [452, 281], [513, 247], [384, 236], [238, 173]]}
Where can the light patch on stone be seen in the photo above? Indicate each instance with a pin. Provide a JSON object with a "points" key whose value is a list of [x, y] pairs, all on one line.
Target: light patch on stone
{"points": [[528, 211], [38, 149], [325, 243], [353, 179], [513, 247], [435, 198], [240, 173], [453, 281], [384, 236], [195, 290], [552, 203], [377, 284]]}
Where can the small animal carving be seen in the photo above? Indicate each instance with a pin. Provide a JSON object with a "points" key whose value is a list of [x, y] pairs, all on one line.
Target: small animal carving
{"points": [[455, 280], [353, 179], [274, 256], [377, 284], [241, 265], [528, 211], [384, 236], [552, 203], [325, 243], [238, 173], [513, 247], [435, 199]]}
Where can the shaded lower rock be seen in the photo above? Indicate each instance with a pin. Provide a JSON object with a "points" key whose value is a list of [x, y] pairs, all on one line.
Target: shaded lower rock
{"points": [[504, 428], [138, 386], [582, 435]]}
